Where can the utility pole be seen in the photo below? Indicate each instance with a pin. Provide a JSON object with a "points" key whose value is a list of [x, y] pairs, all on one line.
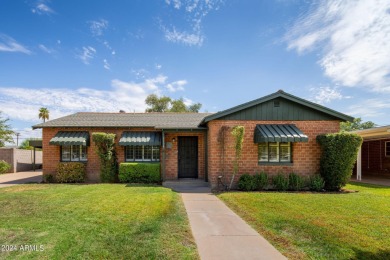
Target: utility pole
{"points": [[17, 139]]}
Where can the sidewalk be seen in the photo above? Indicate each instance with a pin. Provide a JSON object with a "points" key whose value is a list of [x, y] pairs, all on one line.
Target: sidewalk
{"points": [[221, 234], [10, 179]]}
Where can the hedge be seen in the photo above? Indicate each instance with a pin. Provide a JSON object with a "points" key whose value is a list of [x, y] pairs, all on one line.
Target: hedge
{"points": [[71, 172], [139, 172], [339, 153], [4, 167]]}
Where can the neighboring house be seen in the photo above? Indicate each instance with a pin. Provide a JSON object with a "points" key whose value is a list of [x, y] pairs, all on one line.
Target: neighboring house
{"points": [[374, 154], [280, 136]]}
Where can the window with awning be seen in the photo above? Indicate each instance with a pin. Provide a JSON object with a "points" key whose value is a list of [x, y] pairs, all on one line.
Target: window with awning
{"points": [[275, 142]]}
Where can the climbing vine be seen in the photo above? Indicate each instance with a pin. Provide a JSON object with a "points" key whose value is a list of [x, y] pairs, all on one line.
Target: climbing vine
{"points": [[105, 149], [238, 134], [222, 140]]}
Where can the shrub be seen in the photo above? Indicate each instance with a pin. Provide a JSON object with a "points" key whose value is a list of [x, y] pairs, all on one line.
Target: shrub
{"points": [[4, 166], [48, 178], [261, 181], [339, 152], [139, 172], [246, 182], [105, 149], [280, 182], [71, 172], [316, 183], [295, 181]]}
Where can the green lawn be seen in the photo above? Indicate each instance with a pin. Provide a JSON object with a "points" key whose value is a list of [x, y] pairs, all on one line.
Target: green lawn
{"points": [[94, 222], [320, 226]]}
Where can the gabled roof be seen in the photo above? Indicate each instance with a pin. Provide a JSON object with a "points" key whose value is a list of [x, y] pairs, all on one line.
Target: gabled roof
{"points": [[280, 94], [153, 120]]}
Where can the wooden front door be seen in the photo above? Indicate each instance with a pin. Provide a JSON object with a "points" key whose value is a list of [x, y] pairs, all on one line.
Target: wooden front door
{"points": [[188, 156]]}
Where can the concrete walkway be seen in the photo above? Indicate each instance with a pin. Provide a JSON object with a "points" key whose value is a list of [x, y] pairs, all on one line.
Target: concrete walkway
{"points": [[10, 179], [220, 233]]}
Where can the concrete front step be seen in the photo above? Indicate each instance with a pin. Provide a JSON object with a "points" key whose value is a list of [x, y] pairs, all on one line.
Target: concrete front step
{"points": [[187, 185], [186, 182]]}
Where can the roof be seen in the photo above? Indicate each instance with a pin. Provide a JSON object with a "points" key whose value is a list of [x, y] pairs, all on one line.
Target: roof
{"points": [[140, 138], [280, 94], [279, 133], [153, 120], [382, 132]]}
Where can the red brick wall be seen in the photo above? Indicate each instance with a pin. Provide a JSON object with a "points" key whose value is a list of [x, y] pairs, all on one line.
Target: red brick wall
{"points": [[305, 156], [171, 167], [51, 153], [374, 158]]}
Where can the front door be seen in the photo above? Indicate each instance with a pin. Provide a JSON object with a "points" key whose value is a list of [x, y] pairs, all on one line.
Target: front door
{"points": [[188, 156]]}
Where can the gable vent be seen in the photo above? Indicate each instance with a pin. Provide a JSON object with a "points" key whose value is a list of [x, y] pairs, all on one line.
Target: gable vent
{"points": [[276, 103]]}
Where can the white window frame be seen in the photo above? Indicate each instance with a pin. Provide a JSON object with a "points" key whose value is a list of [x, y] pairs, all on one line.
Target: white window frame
{"points": [[268, 148], [73, 150], [387, 148], [143, 159]]}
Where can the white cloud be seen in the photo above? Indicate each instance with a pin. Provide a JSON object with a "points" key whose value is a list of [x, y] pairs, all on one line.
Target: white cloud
{"points": [[370, 108], [46, 49], [176, 86], [192, 39], [98, 27], [8, 44], [87, 54], [188, 102], [354, 39], [108, 46], [106, 64], [325, 94], [41, 7], [195, 12], [158, 66], [24, 103]]}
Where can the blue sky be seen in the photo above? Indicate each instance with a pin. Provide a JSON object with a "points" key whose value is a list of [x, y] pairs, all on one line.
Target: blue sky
{"points": [[72, 56]]}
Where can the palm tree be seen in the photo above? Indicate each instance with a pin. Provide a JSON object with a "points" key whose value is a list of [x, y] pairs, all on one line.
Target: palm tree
{"points": [[44, 113]]}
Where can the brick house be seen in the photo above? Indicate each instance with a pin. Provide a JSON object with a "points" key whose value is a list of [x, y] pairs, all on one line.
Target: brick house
{"points": [[280, 136]]}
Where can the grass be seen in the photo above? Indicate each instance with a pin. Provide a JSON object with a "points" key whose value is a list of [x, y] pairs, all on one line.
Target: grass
{"points": [[104, 221], [320, 226]]}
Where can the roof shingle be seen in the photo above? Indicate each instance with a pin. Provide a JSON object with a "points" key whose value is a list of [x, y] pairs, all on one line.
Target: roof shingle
{"points": [[155, 120]]}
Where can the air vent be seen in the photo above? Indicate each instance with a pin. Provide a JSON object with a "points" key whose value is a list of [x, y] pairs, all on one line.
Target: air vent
{"points": [[276, 103]]}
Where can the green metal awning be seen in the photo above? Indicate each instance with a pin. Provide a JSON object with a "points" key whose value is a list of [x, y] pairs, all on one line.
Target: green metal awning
{"points": [[140, 138], [70, 138], [279, 133]]}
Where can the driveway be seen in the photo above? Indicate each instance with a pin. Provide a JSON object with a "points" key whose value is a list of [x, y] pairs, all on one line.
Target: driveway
{"points": [[10, 179]]}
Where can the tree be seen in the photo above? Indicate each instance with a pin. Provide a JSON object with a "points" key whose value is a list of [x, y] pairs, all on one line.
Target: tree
{"points": [[166, 104], [26, 145], [44, 113], [357, 124], [5, 131], [157, 104], [178, 106], [194, 107]]}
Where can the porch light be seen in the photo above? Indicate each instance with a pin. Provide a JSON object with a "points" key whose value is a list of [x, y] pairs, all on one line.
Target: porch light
{"points": [[173, 139]]}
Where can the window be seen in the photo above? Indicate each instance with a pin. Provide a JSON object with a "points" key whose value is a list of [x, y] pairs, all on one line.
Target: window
{"points": [[73, 153], [387, 149], [275, 152], [142, 153]]}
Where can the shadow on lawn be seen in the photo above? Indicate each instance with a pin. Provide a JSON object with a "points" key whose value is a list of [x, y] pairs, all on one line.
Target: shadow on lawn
{"points": [[368, 185], [380, 254]]}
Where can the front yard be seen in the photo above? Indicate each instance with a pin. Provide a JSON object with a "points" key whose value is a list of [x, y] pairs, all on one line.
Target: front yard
{"points": [[93, 221], [320, 226]]}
